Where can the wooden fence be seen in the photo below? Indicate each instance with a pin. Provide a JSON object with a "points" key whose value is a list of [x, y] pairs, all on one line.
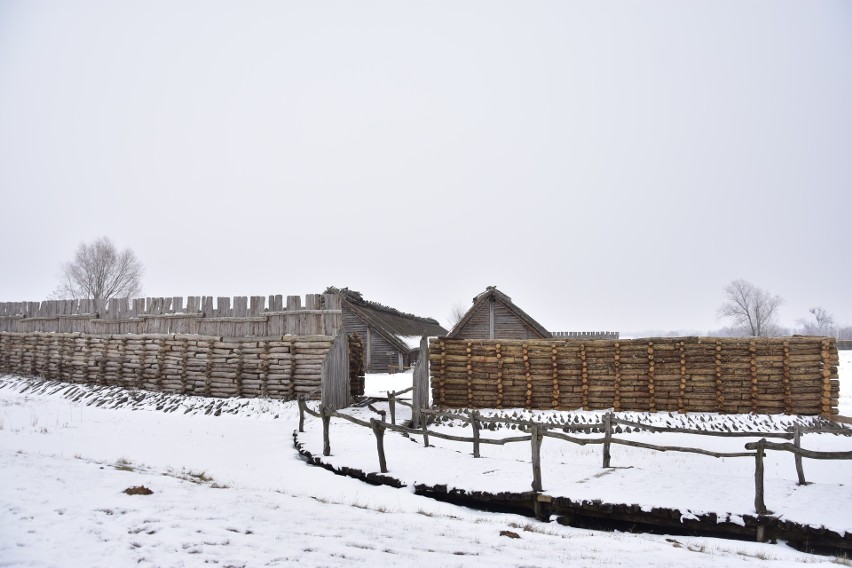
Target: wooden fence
{"points": [[537, 431], [585, 335], [793, 375], [245, 316], [283, 367]]}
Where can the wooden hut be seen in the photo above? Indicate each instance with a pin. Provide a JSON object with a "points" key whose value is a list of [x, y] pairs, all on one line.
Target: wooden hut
{"points": [[391, 338], [494, 316]]}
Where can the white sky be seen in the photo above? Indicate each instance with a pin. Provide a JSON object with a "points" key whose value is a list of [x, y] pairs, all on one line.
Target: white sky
{"points": [[609, 165]]}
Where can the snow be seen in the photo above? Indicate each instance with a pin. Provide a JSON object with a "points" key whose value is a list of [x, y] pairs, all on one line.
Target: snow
{"points": [[230, 490], [378, 384]]}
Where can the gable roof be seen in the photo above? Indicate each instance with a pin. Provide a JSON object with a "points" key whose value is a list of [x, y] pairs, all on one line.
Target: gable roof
{"points": [[491, 292], [390, 323]]}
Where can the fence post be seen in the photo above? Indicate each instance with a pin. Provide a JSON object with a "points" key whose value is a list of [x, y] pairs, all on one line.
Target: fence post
{"points": [[301, 402], [424, 422], [326, 422], [474, 423], [392, 405], [797, 434], [759, 505], [607, 437], [379, 430], [536, 457]]}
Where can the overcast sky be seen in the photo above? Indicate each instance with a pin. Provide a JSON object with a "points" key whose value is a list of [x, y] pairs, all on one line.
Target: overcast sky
{"points": [[609, 165]]}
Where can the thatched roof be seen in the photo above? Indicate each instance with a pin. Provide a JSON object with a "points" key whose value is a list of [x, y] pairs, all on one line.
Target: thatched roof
{"points": [[391, 323], [491, 292]]}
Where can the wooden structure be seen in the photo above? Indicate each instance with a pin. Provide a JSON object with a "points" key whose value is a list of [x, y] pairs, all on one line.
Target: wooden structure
{"points": [[420, 390], [334, 374], [206, 346], [203, 315], [793, 375], [391, 338], [282, 367], [494, 316], [586, 335]]}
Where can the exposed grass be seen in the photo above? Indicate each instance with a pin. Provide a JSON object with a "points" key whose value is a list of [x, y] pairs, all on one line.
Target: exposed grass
{"points": [[198, 477], [379, 509], [124, 464], [530, 527]]}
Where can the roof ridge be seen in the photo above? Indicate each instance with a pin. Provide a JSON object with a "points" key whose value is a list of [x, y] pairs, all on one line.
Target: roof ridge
{"points": [[356, 298]]}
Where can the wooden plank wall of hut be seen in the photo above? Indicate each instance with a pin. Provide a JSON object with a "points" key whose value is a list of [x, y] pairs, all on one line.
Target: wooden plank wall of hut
{"points": [[793, 375], [281, 367], [242, 316], [507, 324], [479, 324]]}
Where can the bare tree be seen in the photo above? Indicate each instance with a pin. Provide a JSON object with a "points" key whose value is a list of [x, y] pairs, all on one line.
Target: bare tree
{"points": [[822, 323], [751, 310], [99, 271], [456, 314]]}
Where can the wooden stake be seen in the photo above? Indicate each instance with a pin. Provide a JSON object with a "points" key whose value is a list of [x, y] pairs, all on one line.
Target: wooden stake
{"points": [[797, 435], [301, 402], [652, 401], [499, 356], [474, 424], [607, 438], [759, 505], [617, 364], [326, 423], [535, 440], [584, 377], [379, 430]]}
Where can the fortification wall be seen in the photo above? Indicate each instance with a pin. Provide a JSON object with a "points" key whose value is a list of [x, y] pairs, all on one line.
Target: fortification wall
{"points": [[282, 367], [242, 316], [585, 335], [793, 375]]}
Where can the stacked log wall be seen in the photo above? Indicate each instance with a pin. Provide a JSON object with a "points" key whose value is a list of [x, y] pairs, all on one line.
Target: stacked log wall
{"points": [[281, 367], [793, 375]]}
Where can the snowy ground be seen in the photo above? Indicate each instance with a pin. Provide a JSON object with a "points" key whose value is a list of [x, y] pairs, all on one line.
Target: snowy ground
{"points": [[229, 490]]}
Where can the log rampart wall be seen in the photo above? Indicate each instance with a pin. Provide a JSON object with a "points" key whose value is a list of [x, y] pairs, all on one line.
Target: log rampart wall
{"points": [[793, 375], [281, 367]]}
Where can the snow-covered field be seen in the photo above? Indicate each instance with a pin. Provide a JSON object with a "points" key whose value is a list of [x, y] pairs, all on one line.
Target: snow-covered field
{"points": [[230, 490]]}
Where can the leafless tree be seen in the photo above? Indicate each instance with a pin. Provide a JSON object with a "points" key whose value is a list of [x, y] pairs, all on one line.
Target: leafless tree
{"points": [[456, 314], [99, 271], [822, 323], [751, 309]]}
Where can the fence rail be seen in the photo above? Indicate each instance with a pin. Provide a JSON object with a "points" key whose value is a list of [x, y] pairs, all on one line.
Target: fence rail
{"points": [[537, 431]]}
